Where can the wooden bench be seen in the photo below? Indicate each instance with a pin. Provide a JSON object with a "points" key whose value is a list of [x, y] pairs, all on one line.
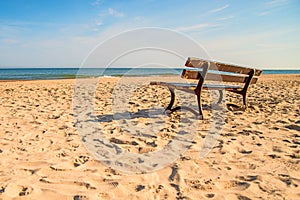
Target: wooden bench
{"points": [[205, 70]]}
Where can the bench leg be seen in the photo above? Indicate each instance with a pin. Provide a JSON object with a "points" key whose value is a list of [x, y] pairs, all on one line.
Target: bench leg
{"points": [[220, 96], [200, 106], [245, 99], [169, 108]]}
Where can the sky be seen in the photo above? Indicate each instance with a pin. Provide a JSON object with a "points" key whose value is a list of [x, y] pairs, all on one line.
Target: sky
{"points": [[62, 33]]}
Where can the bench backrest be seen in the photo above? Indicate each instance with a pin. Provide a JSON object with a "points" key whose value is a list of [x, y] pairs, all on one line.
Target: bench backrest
{"points": [[216, 71]]}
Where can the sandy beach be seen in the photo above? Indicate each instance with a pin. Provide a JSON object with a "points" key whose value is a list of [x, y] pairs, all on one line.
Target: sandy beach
{"points": [[256, 155]]}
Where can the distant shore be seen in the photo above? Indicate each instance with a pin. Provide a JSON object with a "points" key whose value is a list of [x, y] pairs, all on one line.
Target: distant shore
{"points": [[264, 76], [72, 73]]}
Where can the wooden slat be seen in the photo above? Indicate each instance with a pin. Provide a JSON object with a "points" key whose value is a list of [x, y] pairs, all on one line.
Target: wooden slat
{"points": [[234, 69], [195, 63], [191, 74], [229, 78], [198, 63], [179, 86], [191, 87], [219, 86]]}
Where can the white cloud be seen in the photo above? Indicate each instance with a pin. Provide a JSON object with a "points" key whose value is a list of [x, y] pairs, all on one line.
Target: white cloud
{"points": [[264, 13], [271, 6], [226, 18], [97, 3], [138, 18], [219, 9], [194, 27], [99, 23], [115, 13], [276, 2]]}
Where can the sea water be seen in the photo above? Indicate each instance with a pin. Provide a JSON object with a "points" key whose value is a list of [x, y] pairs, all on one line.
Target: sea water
{"points": [[65, 73]]}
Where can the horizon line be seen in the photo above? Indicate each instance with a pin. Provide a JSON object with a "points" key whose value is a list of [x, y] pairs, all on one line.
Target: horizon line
{"points": [[46, 67]]}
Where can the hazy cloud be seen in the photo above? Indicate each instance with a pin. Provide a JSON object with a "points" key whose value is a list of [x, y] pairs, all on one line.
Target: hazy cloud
{"points": [[97, 3], [226, 18], [115, 13], [271, 6], [219, 9], [10, 41], [99, 23], [276, 2], [194, 27], [263, 13]]}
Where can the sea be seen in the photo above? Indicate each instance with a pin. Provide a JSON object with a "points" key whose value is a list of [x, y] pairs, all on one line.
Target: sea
{"points": [[69, 73]]}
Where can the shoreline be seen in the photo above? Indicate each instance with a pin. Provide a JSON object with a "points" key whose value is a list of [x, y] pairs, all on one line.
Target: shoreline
{"points": [[263, 76]]}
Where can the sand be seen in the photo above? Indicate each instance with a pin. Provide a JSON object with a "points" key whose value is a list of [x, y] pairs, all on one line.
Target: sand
{"points": [[42, 156]]}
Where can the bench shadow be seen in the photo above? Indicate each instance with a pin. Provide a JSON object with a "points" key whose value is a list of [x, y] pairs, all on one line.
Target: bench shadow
{"points": [[144, 113]]}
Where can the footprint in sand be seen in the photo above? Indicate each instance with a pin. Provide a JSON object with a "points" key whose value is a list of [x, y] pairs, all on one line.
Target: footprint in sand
{"points": [[139, 188], [110, 171], [243, 151], [174, 173], [177, 188], [273, 156], [159, 188], [103, 195], [241, 197], [175, 177], [25, 191], [81, 160], [2, 189], [114, 183], [86, 185], [250, 178], [239, 185], [285, 178], [17, 190], [80, 197], [210, 195], [111, 182], [293, 127]]}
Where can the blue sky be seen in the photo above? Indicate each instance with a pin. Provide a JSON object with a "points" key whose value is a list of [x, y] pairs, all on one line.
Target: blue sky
{"points": [[61, 33]]}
